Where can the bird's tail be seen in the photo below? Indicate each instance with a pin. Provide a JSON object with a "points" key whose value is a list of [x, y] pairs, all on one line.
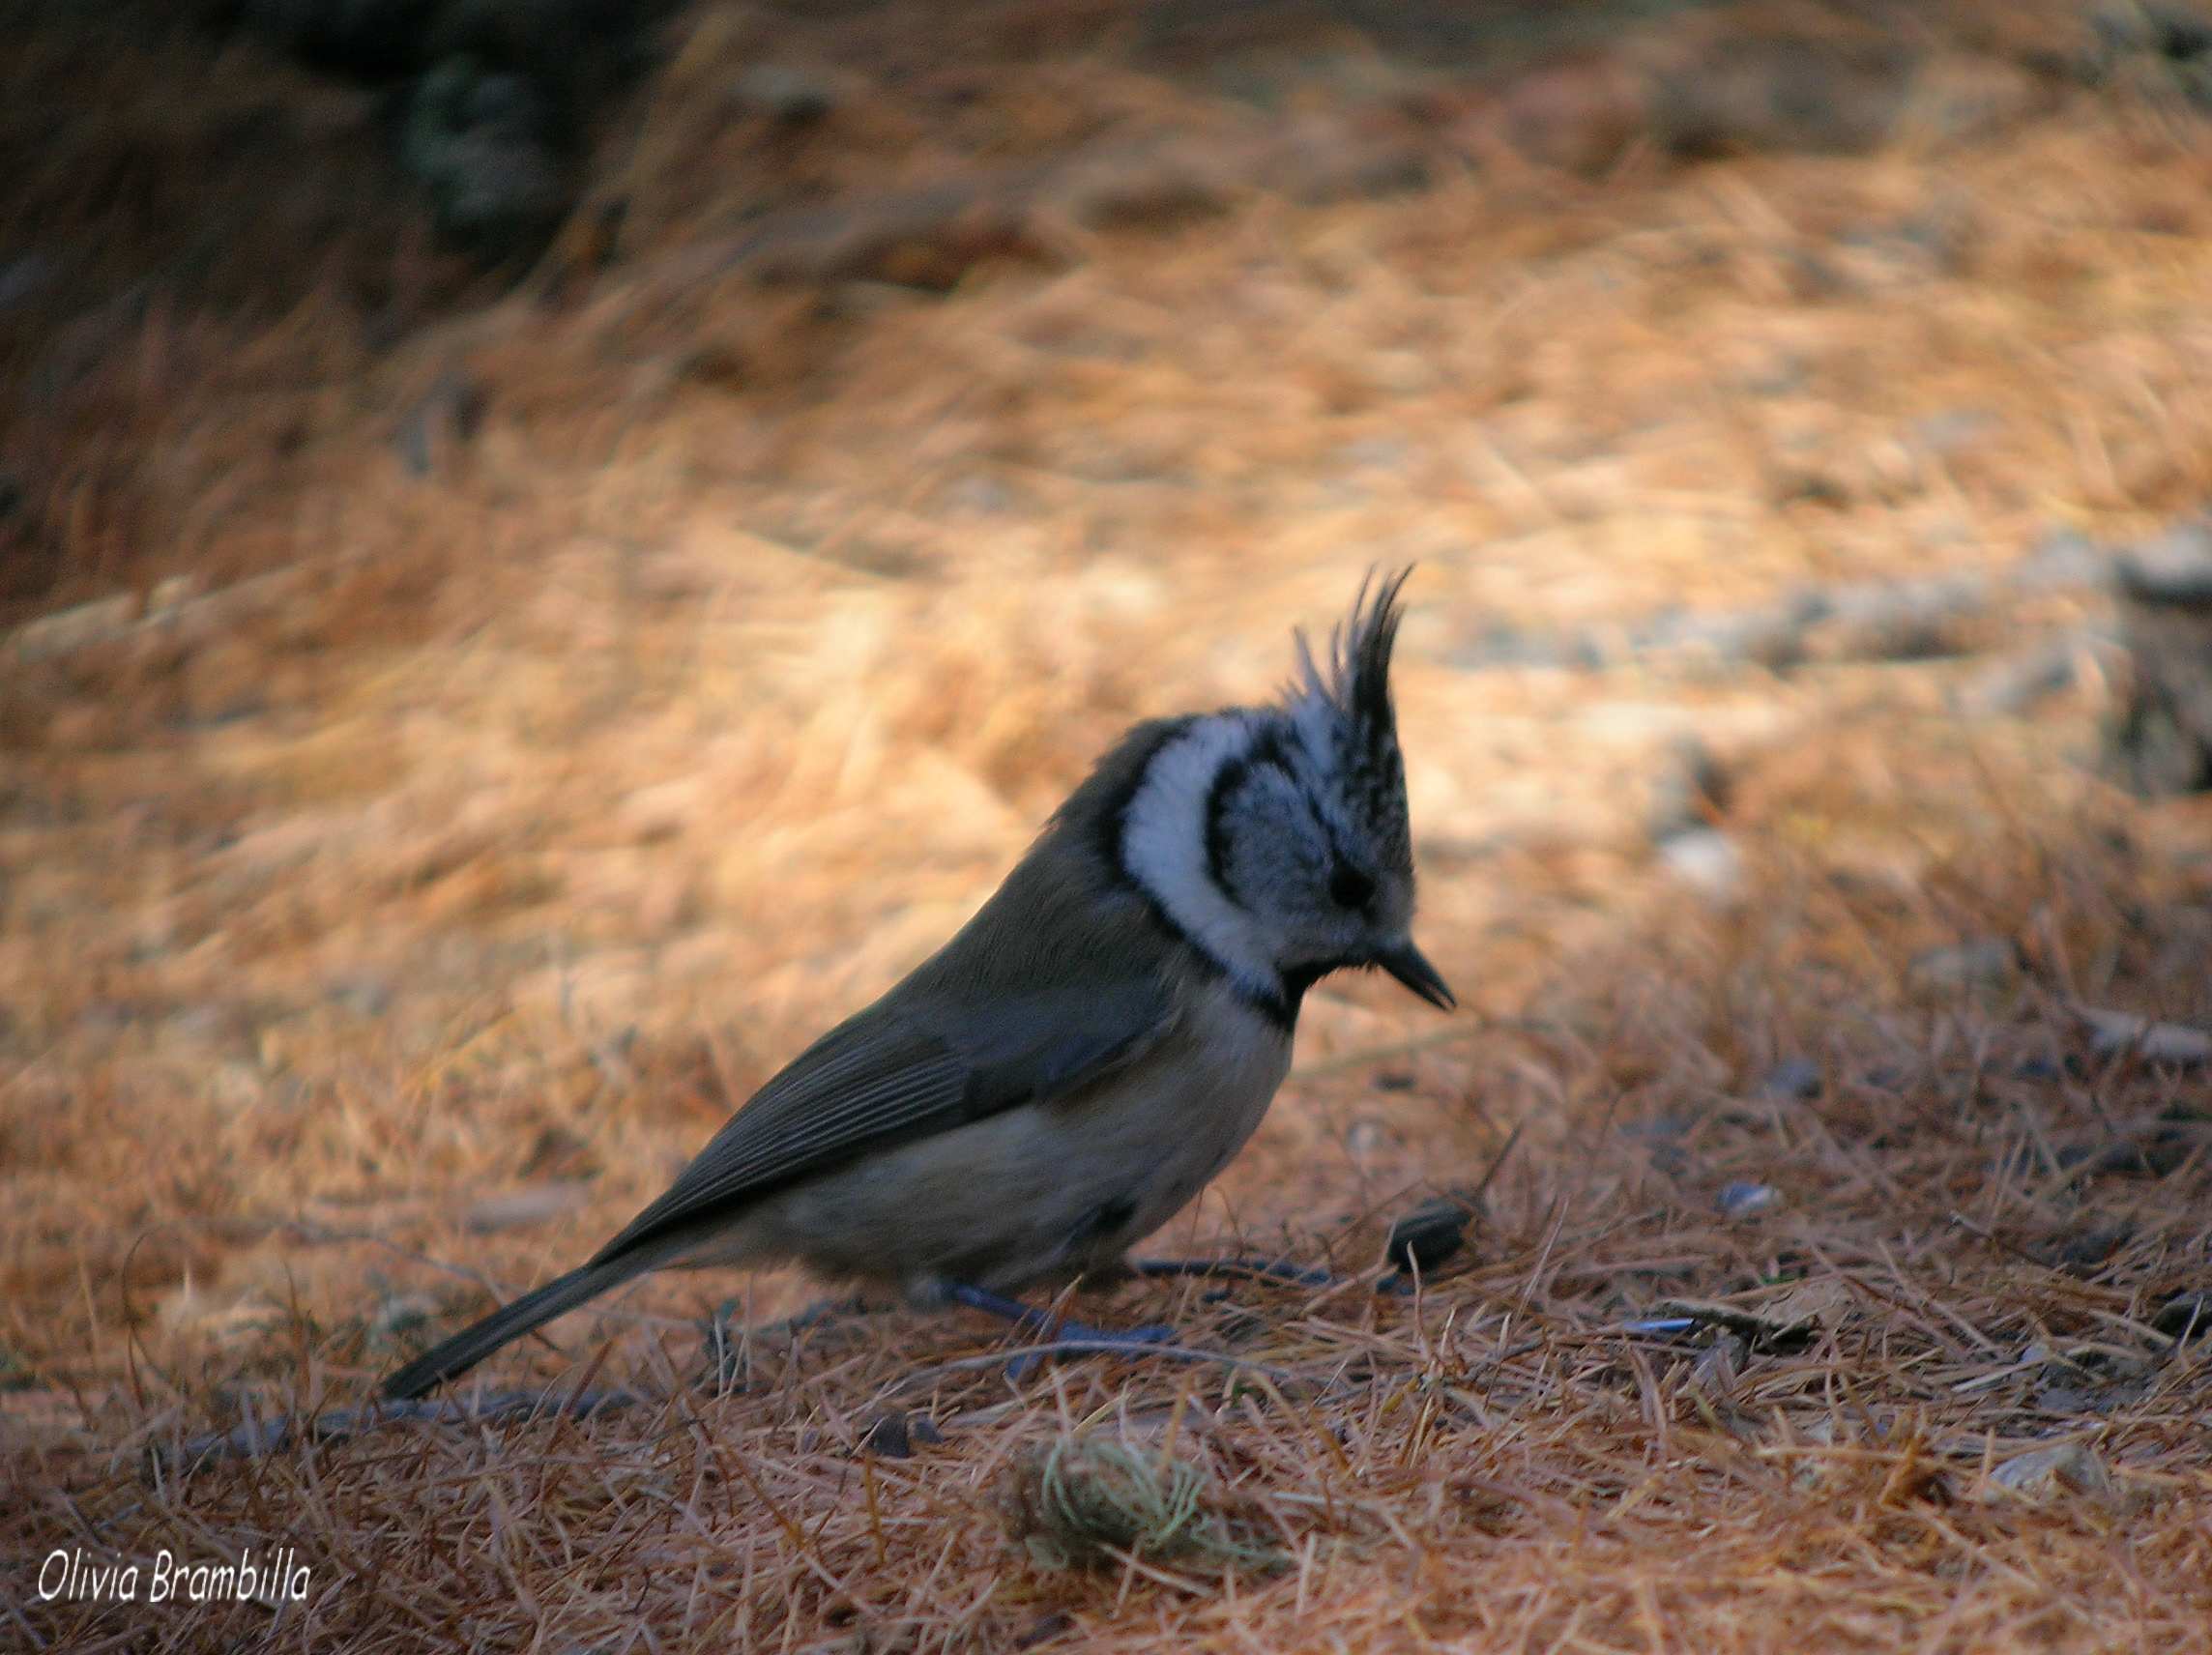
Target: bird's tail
{"points": [[471, 1345]]}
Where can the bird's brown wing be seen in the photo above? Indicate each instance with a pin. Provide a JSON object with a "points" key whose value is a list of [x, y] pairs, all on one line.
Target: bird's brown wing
{"points": [[1000, 1018]]}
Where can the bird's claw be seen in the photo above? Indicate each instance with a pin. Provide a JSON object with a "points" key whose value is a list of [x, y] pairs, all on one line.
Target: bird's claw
{"points": [[1094, 1342]]}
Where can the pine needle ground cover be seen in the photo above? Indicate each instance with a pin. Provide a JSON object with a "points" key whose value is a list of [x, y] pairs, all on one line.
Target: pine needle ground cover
{"points": [[462, 741]]}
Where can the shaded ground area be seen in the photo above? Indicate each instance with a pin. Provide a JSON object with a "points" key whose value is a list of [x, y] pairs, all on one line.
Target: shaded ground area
{"points": [[463, 729]]}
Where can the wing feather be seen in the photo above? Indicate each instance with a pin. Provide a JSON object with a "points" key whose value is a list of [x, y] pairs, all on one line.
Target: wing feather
{"points": [[998, 1019]]}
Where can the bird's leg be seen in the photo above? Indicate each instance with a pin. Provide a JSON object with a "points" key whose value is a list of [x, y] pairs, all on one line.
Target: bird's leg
{"points": [[1058, 1329], [1247, 1269], [728, 1342]]}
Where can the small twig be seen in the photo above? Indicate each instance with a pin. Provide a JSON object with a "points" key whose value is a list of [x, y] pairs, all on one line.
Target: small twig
{"points": [[259, 1436]]}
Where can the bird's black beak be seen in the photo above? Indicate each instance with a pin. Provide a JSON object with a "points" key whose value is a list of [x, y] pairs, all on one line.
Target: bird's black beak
{"points": [[1411, 967]]}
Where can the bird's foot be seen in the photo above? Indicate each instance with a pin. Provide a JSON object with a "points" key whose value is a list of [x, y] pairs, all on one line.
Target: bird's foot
{"points": [[1064, 1334]]}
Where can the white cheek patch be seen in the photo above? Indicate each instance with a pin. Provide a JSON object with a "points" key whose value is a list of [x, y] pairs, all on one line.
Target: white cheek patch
{"points": [[1163, 849]]}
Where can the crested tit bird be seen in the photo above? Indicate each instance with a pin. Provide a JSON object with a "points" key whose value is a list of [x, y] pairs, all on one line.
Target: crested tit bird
{"points": [[1067, 1072]]}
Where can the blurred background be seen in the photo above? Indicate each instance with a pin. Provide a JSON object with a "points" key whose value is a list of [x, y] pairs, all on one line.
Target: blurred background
{"points": [[550, 551]]}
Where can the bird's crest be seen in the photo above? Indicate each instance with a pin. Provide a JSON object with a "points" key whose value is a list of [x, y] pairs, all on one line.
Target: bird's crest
{"points": [[1356, 680]]}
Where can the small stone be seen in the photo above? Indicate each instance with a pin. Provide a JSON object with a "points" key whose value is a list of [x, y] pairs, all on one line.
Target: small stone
{"points": [[889, 1436], [1743, 1199], [2050, 1475], [1432, 1232]]}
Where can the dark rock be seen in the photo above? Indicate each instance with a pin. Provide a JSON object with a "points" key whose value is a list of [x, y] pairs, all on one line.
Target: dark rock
{"points": [[1432, 1232], [889, 1436]]}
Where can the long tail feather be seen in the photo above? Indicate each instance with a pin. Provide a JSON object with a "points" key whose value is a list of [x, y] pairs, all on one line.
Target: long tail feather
{"points": [[471, 1345]]}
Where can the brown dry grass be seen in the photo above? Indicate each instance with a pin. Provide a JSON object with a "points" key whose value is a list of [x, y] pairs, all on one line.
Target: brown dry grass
{"points": [[383, 936]]}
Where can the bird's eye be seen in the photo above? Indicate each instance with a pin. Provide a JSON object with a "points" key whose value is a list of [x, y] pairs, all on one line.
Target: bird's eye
{"points": [[1348, 888]]}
